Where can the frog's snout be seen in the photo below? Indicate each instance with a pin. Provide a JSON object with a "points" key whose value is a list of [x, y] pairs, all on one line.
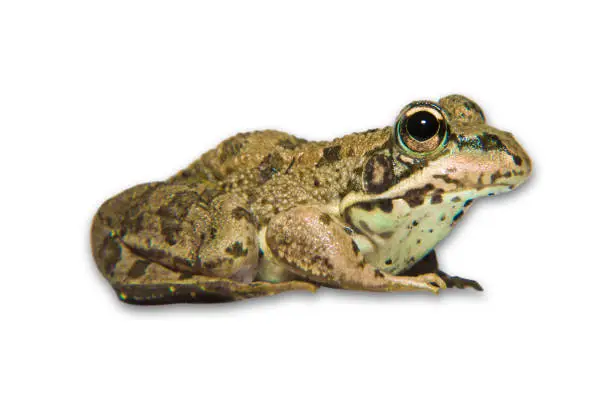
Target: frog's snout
{"points": [[516, 165]]}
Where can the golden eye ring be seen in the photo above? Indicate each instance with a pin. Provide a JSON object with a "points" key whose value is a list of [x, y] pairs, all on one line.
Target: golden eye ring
{"points": [[421, 128]]}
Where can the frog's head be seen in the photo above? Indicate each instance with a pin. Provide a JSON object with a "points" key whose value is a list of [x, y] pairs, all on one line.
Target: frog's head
{"points": [[449, 141], [444, 150], [440, 156]]}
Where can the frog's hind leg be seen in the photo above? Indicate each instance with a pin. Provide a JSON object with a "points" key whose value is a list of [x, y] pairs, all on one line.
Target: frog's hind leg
{"points": [[429, 264], [160, 243], [138, 280]]}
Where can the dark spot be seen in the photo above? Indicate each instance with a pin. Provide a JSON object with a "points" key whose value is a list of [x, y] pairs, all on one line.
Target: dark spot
{"points": [[330, 155], [378, 174], [316, 183], [355, 247], [418, 241], [415, 223], [269, 166], [442, 217], [289, 144], [430, 231], [323, 262], [236, 250], [240, 213], [378, 273], [457, 216], [468, 203], [517, 160], [348, 230], [261, 253], [416, 196], [138, 269], [388, 262], [325, 219], [456, 199], [491, 142], [110, 255], [385, 205], [436, 199], [447, 179], [386, 234], [172, 215], [366, 205]]}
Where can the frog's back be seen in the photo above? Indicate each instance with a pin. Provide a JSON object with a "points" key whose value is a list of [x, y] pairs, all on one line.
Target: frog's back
{"points": [[241, 153], [274, 171]]}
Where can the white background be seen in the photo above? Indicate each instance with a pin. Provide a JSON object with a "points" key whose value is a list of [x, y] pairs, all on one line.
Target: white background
{"points": [[98, 96]]}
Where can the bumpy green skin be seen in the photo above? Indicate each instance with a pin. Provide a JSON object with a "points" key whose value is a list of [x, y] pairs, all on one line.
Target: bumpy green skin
{"points": [[266, 212]]}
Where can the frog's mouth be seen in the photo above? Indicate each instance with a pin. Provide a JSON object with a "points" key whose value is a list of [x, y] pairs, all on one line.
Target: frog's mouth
{"points": [[455, 178]]}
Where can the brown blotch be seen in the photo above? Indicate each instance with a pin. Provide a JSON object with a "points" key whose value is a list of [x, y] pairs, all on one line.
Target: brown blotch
{"points": [[366, 205], [436, 199], [322, 261], [289, 144], [172, 215], [325, 219], [269, 166], [385, 205], [378, 273], [447, 179], [330, 155], [138, 269], [416, 196], [378, 174], [236, 250]]}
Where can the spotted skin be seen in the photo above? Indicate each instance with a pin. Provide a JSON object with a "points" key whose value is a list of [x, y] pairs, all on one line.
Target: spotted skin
{"points": [[266, 212]]}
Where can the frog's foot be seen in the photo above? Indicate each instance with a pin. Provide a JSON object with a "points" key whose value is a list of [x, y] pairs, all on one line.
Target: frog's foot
{"points": [[429, 281], [429, 265], [458, 282]]}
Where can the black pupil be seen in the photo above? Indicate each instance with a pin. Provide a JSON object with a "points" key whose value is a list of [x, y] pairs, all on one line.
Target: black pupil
{"points": [[422, 126]]}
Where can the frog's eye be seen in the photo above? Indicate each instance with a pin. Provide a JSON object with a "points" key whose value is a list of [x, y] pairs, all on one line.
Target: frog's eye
{"points": [[421, 128]]}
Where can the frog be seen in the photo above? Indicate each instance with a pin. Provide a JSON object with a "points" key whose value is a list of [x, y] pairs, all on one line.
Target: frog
{"points": [[266, 212]]}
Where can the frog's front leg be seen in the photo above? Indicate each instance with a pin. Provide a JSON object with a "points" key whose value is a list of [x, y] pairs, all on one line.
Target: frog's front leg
{"points": [[318, 248], [429, 264]]}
